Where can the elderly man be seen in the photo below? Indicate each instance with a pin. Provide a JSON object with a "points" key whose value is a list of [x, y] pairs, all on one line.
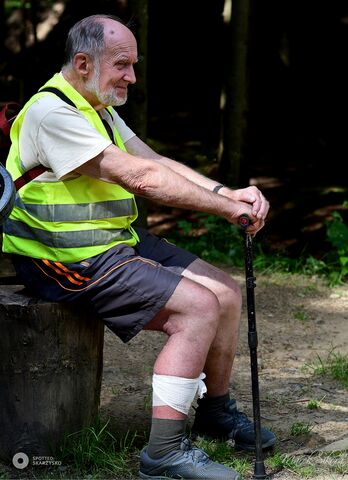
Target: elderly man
{"points": [[72, 239]]}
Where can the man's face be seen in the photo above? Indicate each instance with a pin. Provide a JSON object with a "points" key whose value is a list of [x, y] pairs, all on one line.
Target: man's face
{"points": [[114, 71]]}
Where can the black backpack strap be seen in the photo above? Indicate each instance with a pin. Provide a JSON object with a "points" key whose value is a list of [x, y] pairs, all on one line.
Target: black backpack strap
{"points": [[59, 94], [109, 130], [67, 100]]}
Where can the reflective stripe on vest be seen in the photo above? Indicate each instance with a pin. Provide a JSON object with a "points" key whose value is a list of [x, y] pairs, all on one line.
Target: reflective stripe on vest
{"points": [[78, 212], [67, 220], [72, 239]]}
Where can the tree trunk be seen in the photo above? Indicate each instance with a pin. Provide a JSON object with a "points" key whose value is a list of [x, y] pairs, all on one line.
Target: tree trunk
{"points": [[236, 105], [138, 92], [50, 372], [2, 27]]}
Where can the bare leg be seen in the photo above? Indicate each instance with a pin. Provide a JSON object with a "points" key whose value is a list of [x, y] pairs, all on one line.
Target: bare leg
{"points": [[190, 319], [220, 358]]}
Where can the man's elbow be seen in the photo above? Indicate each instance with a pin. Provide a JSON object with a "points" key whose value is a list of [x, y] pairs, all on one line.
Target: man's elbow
{"points": [[144, 183]]}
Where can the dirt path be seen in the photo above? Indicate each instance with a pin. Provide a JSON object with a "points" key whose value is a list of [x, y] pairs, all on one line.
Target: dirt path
{"points": [[298, 318]]}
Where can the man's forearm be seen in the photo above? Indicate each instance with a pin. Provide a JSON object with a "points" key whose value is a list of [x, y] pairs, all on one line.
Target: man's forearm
{"points": [[160, 183], [189, 173], [137, 147], [249, 195], [168, 186]]}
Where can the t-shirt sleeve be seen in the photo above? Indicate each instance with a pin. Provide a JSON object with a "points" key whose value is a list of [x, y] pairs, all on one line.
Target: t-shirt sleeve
{"points": [[65, 140]]}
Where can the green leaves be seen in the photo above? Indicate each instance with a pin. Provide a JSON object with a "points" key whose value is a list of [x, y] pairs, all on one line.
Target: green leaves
{"points": [[215, 240], [212, 238], [337, 234]]}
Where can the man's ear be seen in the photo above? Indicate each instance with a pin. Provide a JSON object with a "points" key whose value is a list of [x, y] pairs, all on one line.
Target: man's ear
{"points": [[83, 64]]}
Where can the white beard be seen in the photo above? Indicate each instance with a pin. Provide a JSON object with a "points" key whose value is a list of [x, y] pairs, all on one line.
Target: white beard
{"points": [[105, 98]]}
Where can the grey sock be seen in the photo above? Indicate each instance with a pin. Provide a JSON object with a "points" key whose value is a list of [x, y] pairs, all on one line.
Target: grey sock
{"points": [[165, 436]]}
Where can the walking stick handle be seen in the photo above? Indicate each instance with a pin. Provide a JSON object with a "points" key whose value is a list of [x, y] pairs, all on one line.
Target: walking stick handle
{"points": [[244, 221]]}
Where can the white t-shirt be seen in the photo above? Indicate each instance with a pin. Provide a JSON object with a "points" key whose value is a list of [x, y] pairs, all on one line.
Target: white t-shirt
{"points": [[60, 138]]}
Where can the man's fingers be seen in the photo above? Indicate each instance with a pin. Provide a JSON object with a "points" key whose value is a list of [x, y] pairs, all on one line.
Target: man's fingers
{"points": [[261, 207], [255, 226], [254, 196]]}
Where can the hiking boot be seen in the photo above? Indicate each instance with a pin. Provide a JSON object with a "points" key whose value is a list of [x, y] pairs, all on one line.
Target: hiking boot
{"points": [[188, 462], [228, 423]]}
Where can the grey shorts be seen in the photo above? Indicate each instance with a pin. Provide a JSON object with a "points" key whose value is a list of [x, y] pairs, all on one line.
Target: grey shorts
{"points": [[125, 286]]}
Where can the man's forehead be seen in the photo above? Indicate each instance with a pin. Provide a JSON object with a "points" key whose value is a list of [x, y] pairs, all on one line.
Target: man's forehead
{"points": [[122, 50], [115, 31], [119, 39]]}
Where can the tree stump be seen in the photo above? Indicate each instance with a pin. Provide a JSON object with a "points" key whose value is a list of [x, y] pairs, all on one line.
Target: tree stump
{"points": [[51, 359]]}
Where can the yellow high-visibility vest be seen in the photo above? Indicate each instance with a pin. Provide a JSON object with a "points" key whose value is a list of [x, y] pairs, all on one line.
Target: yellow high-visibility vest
{"points": [[68, 220]]}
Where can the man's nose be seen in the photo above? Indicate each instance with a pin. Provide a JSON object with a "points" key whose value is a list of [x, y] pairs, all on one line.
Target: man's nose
{"points": [[130, 75]]}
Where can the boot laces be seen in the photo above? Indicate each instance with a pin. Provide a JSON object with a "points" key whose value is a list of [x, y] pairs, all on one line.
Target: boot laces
{"points": [[196, 454], [239, 419]]}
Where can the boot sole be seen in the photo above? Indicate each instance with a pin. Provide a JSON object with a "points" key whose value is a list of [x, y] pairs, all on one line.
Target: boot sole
{"points": [[238, 446], [144, 476], [251, 448]]}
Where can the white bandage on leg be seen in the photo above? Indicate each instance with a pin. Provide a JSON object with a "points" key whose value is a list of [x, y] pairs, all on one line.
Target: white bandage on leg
{"points": [[177, 392]]}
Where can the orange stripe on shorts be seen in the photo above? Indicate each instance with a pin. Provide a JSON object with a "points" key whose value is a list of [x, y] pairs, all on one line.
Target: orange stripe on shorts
{"points": [[59, 272]]}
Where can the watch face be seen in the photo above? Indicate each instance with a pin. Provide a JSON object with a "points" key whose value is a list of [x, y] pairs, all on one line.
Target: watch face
{"points": [[7, 194]]}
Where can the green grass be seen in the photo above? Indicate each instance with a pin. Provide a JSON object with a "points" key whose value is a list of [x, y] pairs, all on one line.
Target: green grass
{"points": [[299, 466], [313, 404], [300, 428], [96, 451], [301, 315], [338, 462], [222, 452], [97, 454], [308, 466], [334, 365], [3, 474], [275, 461]]}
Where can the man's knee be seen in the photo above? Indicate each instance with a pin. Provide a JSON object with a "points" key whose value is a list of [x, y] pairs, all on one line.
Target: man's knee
{"points": [[203, 308], [229, 294], [221, 283], [192, 307]]}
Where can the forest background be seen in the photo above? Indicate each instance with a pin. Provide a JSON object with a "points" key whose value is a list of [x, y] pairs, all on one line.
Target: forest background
{"points": [[256, 97]]}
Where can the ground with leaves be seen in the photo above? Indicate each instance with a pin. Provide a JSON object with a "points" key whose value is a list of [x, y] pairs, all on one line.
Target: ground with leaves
{"points": [[299, 320]]}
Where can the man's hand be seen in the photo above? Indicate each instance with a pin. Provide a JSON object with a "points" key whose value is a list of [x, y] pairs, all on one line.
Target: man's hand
{"points": [[254, 198]]}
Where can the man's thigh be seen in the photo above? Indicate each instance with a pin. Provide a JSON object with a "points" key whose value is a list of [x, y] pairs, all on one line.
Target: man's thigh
{"points": [[126, 287], [212, 277], [122, 287], [188, 265], [161, 251]]}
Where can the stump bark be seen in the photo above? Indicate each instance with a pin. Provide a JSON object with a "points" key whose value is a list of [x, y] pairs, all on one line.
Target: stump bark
{"points": [[51, 359]]}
